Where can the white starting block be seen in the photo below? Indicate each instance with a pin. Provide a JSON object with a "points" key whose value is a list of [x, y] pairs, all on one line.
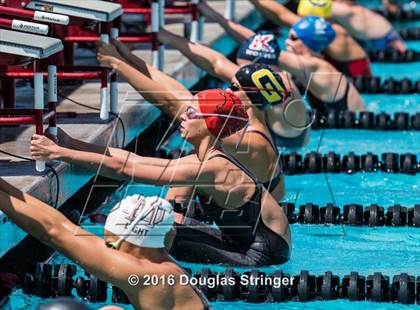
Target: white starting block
{"points": [[101, 11], [28, 45], [36, 47], [93, 10]]}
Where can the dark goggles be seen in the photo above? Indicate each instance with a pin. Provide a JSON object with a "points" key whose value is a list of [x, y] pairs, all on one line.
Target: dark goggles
{"points": [[293, 37]]}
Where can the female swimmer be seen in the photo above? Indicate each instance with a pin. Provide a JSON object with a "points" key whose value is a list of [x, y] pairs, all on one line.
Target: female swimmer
{"points": [[253, 228], [327, 88], [373, 31], [343, 52], [173, 98], [123, 253]]}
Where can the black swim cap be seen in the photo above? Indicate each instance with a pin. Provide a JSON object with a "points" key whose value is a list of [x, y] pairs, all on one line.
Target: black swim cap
{"points": [[263, 86], [64, 303]]}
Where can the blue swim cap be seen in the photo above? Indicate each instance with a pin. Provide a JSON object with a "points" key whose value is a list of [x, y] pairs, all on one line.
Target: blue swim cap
{"points": [[260, 48], [315, 32]]}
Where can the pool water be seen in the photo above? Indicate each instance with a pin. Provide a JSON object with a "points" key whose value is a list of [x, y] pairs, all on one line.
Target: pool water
{"points": [[340, 249]]}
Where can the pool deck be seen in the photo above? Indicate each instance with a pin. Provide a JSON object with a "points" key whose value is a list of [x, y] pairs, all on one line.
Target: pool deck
{"points": [[136, 114]]}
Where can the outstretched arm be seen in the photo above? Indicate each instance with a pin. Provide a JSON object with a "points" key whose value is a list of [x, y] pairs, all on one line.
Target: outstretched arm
{"points": [[52, 228], [147, 69], [173, 103], [202, 56], [64, 140], [235, 30], [276, 12], [149, 170], [297, 65]]}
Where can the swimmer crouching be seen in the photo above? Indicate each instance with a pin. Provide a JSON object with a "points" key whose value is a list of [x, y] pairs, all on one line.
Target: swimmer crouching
{"points": [[327, 88], [124, 256], [253, 229]]}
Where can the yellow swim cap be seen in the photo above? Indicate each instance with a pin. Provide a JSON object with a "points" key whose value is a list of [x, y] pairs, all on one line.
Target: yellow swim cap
{"points": [[320, 8]]}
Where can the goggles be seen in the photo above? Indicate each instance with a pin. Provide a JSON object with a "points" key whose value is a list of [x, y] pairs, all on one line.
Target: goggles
{"points": [[192, 113], [293, 37]]}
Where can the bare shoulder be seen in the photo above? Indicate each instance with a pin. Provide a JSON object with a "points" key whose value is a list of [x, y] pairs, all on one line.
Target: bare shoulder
{"points": [[340, 30]]}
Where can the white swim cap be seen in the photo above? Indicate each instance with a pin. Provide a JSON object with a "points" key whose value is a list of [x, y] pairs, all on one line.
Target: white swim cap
{"points": [[142, 221]]}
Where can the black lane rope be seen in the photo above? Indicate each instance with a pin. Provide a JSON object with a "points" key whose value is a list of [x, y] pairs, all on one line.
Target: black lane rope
{"points": [[377, 85], [367, 120], [394, 56], [353, 214], [409, 34], [253, 286], [47, 165], [400, 15], [314, 162]]}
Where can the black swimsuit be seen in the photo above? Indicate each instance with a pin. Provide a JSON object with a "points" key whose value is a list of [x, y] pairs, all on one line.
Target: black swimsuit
{"points": [[243, 238], [289, 143], [324, 107]]}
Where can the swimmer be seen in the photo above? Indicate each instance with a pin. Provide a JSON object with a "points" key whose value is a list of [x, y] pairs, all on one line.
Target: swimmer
{"points": [[372, 30], [327, 88], [173, 99], [276, 118], [343, 52], [253, 229], [122, 253]]}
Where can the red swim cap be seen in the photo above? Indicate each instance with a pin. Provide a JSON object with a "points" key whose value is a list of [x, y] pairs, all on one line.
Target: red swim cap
{"points": [[228, 113]]}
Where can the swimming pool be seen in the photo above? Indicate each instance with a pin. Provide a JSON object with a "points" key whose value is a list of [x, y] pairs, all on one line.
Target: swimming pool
{"points": [[340, 249], [319, 248]]}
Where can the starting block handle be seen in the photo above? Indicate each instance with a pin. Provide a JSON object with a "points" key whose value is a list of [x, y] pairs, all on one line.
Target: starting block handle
{"points": [[104, 113], [52, 18], [39, 106], [21, 25], [230, 10], [114, 82]]}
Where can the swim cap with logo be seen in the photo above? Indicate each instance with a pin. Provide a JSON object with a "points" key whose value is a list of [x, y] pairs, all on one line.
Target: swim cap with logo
{"points": [[260, 48], [142, 221], [222, 111], [263, 86], [315, 7], [315, 32]]}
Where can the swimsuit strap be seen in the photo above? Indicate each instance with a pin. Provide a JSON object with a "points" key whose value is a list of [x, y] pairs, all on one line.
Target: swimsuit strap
{"points": [[265, 137], [201, 295], [238, 164]]}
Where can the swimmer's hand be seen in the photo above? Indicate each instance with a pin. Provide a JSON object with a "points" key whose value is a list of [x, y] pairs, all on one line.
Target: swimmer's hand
{"points": [[122, 48], [43, 148], [108, 55], [62, 139]]}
